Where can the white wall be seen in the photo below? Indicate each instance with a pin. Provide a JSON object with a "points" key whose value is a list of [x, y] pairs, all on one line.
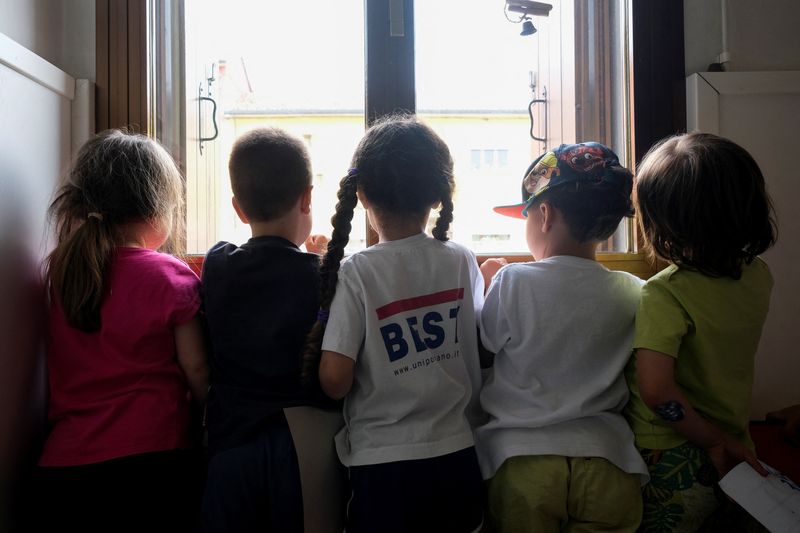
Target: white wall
{"points": [[761, 35], [34, 153], [60, 31]]}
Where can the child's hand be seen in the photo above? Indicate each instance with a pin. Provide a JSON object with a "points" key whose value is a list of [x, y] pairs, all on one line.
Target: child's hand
{"points": [[490, 267], [729, 453], [317, 244]]}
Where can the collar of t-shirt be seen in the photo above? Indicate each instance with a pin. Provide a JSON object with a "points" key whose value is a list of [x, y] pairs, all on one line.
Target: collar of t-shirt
{"points": [[408, 242], [271, 240], [572, 260]]}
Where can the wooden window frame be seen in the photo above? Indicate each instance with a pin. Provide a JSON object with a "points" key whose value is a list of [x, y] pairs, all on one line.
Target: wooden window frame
{"points": [[121, 65], [658, 101]]}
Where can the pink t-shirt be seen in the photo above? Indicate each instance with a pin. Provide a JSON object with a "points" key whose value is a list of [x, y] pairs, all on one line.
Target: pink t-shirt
{"points": [[119, 391]]}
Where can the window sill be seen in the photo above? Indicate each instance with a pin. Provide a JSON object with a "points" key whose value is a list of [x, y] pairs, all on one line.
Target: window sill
{"points": [[635, 263]]}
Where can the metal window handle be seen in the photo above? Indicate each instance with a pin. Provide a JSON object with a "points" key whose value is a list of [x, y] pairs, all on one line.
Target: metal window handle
{"points": [[531, 105], [200, 100]]}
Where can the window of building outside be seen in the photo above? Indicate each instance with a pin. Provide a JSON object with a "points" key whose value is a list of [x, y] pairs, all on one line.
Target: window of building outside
{"points": [[223, 68]]}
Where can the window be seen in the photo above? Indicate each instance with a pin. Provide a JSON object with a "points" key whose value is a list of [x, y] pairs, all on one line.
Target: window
{"points": [[250, 64], [488, 159], [579, 56]]}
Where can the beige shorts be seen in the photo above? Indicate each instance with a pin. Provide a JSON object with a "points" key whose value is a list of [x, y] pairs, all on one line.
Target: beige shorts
{"points": [[552, 493]]}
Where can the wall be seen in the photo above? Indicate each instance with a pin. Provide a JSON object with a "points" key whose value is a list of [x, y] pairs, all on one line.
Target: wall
{"points": [[62, 32], [762, 36], [34, 152]]}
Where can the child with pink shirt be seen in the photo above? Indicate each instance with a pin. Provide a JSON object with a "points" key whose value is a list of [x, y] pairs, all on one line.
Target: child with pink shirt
{"points": [[124, 346]]}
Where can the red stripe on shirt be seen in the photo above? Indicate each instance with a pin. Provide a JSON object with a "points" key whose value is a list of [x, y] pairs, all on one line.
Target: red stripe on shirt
{"points": [[450, 295]]}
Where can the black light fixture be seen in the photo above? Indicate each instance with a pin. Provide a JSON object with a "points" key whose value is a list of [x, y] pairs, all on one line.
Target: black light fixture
{"points": [[526, 10], [527, 28]]}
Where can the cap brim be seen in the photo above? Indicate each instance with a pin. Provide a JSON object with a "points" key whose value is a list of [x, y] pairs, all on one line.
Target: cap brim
{"points": [[514, 211]]}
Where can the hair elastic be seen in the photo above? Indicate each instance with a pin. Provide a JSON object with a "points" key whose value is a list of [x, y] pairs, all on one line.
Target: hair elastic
{"points": [[322, 315], [96, 215]]}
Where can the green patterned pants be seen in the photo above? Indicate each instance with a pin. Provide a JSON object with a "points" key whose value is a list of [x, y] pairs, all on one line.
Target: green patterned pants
{"points": [[683, 495]]}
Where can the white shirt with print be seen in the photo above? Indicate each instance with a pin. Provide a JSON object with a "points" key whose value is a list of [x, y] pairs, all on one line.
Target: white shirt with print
{"points": [[406, 312]]}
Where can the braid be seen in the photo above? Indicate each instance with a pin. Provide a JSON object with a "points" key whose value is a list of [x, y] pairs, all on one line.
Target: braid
{"points": [[445, 217], [329, 271]]}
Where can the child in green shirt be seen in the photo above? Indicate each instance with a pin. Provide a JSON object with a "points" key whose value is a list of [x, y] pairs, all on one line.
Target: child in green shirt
{"points": [[704, 208]]}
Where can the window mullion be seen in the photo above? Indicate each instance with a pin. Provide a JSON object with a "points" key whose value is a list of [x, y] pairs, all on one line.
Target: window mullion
{"points": [[389, 59]]}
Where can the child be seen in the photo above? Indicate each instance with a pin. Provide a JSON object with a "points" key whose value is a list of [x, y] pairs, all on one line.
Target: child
{"points": [[260, 300], [124, 345], [401, 342], [556, 451], [704, 208]]}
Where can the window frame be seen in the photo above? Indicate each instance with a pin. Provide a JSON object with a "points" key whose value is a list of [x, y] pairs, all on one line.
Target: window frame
{"points": [[658, 102]]}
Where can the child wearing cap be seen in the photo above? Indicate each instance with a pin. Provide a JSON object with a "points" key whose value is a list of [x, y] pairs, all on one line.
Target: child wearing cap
{"points": [[556, 450]]}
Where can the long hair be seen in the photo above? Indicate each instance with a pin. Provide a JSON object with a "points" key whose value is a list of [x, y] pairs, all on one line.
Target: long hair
{"points": [[117, 178], [404, 168], [703, 204]]}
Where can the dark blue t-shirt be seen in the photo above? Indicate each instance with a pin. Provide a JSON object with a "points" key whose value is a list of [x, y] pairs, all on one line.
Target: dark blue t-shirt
{"points": [[260, 300]]}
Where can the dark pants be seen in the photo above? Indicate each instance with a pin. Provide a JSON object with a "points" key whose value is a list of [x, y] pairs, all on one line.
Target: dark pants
{"points": [[255, 487], [426, 495], [157, 491]]}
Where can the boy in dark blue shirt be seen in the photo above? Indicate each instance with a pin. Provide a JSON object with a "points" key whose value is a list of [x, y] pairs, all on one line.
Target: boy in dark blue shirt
{"points": [[260, 300]]}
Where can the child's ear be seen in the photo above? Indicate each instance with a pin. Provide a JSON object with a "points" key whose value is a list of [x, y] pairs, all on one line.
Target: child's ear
{"points": [[548, 214], [238, 209], [305, 200], [362, 198]]}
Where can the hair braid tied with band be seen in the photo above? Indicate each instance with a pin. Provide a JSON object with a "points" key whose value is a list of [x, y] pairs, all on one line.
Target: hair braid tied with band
{"points": [[329, 270]]}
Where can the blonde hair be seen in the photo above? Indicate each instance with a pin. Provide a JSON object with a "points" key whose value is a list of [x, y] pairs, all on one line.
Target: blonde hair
{"points": [[116, 178]]}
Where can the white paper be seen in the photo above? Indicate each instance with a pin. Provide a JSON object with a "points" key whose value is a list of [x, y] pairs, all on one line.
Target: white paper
{"points": [[773, 500]]}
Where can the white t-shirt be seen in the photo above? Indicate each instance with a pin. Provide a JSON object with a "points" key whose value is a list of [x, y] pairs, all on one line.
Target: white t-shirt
{"points": [[406, 312], [562, 331]]}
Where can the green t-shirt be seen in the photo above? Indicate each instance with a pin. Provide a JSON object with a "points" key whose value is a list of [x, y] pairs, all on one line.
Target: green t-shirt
{"points": [[711, 326]]}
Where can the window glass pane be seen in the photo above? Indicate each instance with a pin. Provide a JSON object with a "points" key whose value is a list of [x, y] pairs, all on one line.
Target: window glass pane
{"points": [[475, 157], [485, 108], [502, 158], [298, 66], [488, 158], [489, 109]]}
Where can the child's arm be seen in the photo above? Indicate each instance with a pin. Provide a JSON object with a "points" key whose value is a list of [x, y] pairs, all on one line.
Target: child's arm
{"points": [[655, 376], [336, 374], [190, 345]]}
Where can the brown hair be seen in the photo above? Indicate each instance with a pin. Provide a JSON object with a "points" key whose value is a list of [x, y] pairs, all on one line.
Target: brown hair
{"points": [[703, 204], [403, 168], [593, 209], [269, 171], [116, 178]]}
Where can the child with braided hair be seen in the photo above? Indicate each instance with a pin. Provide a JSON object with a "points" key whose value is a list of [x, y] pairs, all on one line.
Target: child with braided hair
{"points": [[397, 336]]}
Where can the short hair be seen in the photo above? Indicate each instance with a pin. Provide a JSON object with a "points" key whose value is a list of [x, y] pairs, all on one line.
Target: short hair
{"points": [[269, 170], [703, 204], [593, 209]]}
